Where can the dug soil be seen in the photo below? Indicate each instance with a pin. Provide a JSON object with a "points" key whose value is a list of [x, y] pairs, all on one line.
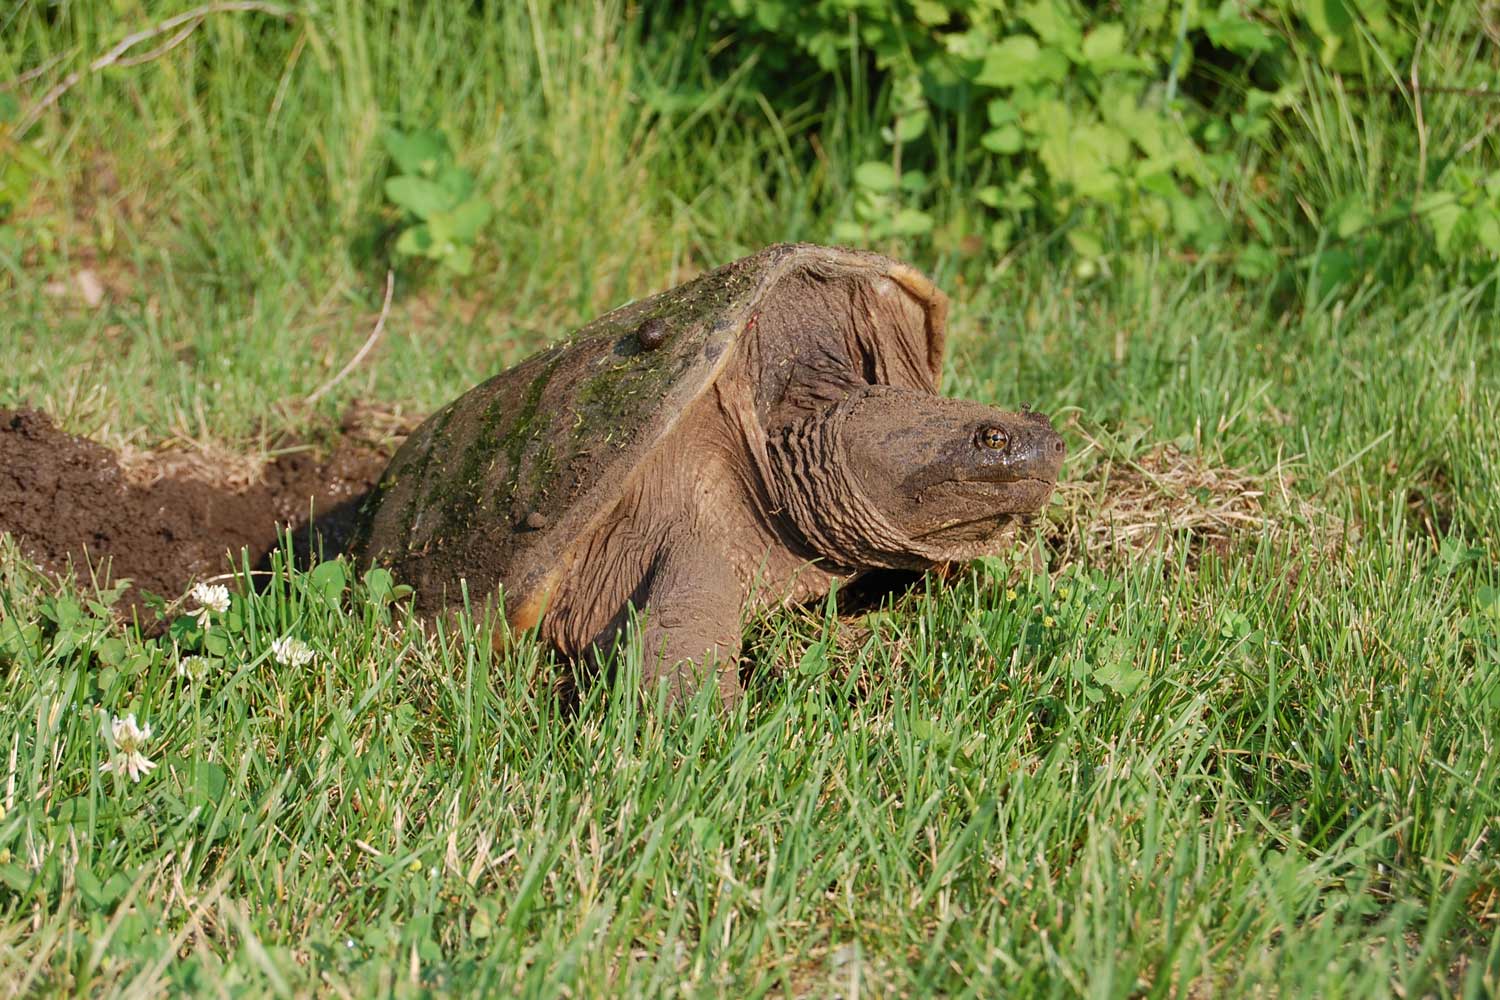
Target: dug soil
{"points": [[69, 503]]}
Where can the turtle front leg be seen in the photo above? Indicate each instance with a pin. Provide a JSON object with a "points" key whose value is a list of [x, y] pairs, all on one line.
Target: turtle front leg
{"points": [[692, 627]]}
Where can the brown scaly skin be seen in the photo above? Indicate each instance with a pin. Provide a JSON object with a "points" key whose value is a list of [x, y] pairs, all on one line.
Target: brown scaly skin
{"points": [[750, 438], [881, 478]]}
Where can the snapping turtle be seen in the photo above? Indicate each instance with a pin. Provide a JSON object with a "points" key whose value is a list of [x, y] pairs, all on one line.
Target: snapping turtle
{"points": [[749, 437]]}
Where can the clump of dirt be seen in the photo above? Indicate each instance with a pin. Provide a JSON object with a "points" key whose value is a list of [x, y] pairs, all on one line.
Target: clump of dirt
{"points": [[68, 502]]}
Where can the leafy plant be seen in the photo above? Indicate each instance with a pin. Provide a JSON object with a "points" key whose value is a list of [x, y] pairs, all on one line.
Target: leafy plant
{"points": [[1112, 124], [886, 195], [444, 215]]}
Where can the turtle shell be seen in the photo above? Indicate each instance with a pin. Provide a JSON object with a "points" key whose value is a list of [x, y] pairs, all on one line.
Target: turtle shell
{"points": [[499, 487]]}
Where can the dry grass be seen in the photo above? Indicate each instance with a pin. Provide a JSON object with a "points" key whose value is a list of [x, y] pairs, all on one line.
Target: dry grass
{"points": [[191, 458], [1124, 505], [204, 459]]}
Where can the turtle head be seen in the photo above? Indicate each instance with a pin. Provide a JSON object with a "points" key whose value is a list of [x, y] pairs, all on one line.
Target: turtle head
{"points": [[947, 472], [896, 477]]}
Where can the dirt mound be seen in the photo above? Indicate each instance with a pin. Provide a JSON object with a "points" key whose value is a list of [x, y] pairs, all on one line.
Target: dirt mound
{"points": [[1127, 504], [66, 499]]}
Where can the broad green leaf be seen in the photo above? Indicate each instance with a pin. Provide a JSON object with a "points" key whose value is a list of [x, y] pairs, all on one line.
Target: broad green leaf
{"points": [[1054, 24], [1017, 197], [440, 228], [16, 877], [1443, 213], [1017, 200], [186, 631], [378, 585], [1333, 23], [63, 611], [1085, 244], [994, 568], [100, 893], [910, 126], [110, 651], [1104, 42], [969, 46], [1019, 59], [814, 660], [1104, 49], [457, 182], [1160, 138], [1350, 216], [210, 781], [1454, 553], [415, 241], [467, 219], [419, 196], [1228, 29], [1487, 229], [1086, 157], [20, 640], [1005, 139], [769, 15], [1154, 215], [911, 222], [1332, 269], [1002, 111], [875, 176], [460, 260], [1187, 218], [913, 181], [418, 153], [848, 231], [1120, 677], [329, 579], [923, 729], [931, 12]]}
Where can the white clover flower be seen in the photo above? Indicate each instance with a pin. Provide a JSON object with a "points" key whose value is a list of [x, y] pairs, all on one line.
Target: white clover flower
{"points": [[127, 741], [211, 597], [290, 652], [192, 667]]}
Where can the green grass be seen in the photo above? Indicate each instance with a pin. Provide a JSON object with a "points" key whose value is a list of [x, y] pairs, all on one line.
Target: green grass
{"points": [[1263, 767]]}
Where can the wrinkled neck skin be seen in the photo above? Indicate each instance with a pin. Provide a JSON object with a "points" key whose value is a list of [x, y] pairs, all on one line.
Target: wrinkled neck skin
{"points": [[819, 493]]}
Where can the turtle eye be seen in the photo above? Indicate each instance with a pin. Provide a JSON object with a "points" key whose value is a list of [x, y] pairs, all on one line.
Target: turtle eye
{"points": [[992, 438]]}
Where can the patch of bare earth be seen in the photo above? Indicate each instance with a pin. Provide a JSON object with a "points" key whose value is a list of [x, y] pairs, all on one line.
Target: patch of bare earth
{"points": [[166, 519]]}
